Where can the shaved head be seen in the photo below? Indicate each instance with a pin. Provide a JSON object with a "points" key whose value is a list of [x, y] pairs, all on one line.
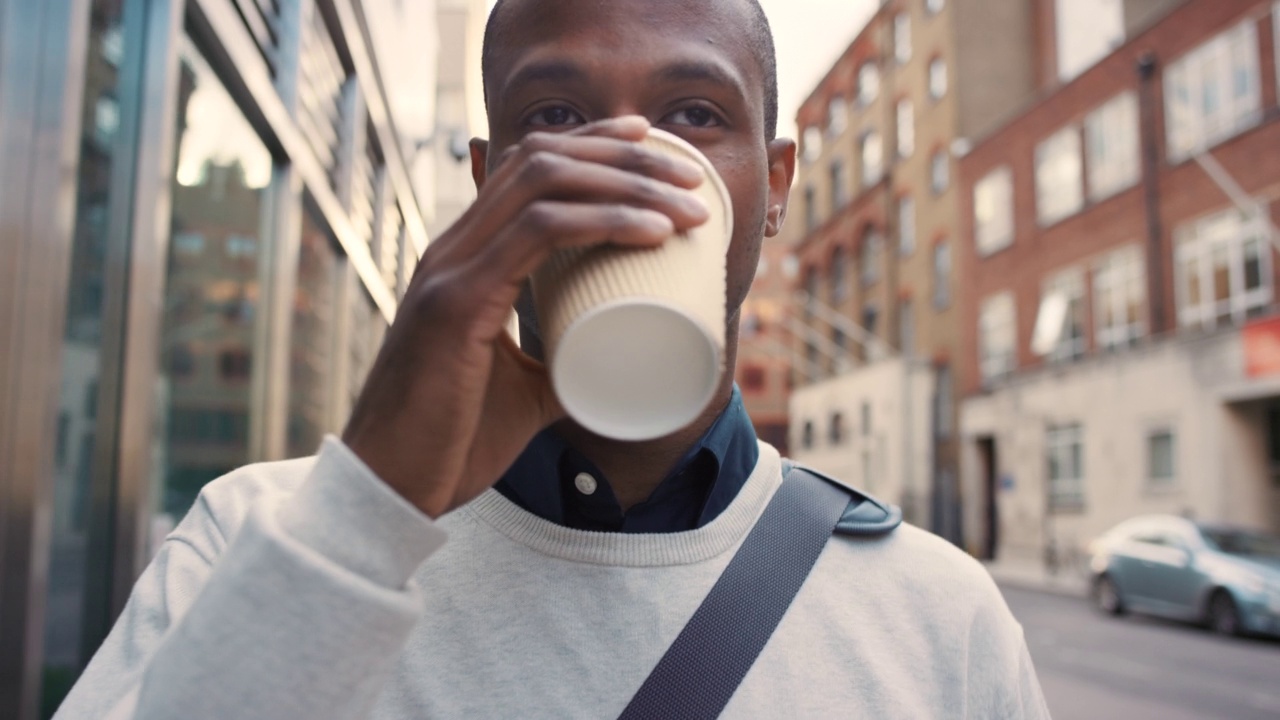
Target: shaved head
{"points": [[757, 38]]}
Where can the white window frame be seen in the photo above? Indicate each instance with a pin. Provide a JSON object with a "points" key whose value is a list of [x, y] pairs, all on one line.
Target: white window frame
{"points": [[868, 83], [942, 290], [871, 257], [993, 211], [997, 337], [902, 37], [939, 182], [1072, 338], [1212, 70], [1227, 235], [1112, 147], [871, 157], [837, 117], [907, 232], [1120, 282], [1065, 453], [905, 119], [1059, 176], [937, 78], [1153, 480], [812, 143]]}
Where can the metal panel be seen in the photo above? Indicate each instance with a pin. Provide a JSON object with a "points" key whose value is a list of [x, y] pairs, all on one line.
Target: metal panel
{"points": [[141, 319], [41, 82]]}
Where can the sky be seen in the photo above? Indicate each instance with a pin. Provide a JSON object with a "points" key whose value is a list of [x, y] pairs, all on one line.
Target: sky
{"points": [[810, 36]]}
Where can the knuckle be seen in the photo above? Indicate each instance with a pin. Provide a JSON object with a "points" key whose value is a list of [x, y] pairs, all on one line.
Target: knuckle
{"points": [[540, 166], [538, 218]]}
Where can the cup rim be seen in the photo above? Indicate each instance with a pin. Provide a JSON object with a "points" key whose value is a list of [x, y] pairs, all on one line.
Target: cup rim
{"points": [[619, 431]]}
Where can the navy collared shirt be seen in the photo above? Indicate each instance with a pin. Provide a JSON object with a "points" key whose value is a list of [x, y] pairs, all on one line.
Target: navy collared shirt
{"points": [[557, 483]]}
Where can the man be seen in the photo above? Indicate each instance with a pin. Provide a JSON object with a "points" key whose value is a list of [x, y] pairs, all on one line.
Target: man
{"points": [[325, 587]]}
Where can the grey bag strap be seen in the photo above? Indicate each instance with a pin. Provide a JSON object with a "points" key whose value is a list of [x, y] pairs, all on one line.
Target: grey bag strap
{"points": [[712, 654]]}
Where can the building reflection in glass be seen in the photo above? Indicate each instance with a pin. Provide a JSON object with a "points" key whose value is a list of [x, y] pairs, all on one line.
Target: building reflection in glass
{"points": [[212, 292]]}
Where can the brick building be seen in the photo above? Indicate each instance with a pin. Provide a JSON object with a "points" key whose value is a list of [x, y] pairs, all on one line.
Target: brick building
{"points": [[764, 363], [874, 214], [1119, 294]]}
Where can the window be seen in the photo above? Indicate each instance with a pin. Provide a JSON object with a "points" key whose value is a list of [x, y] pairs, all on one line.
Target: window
{"points": [[835, 430], [837, 117], [1064, 333], [993, 211], [872, 256], [1223, 271], [906, 328], [937, 78], [812, 143], [866, 419], [941, 276], [1059, 185], [233, 365], [906, 128], [1064, 448], [997, 337], [870, 320], [939, 172], [868, 83], [934, 6], [1161, 457], [753, 379], [906, 226], [1213, 92], [188, 243], [943, 404], [810, 208], [839, 276], [1111, 141], [806, 435], [839, 186], [311, 370], [1120, 298], [872, 158], [902, 37]]}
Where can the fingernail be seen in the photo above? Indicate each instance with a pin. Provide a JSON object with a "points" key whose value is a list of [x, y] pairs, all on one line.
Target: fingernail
{"points": [[696, 205], [690, 171]]}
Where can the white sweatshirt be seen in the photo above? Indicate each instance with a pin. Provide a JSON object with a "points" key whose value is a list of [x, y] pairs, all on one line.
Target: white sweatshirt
{"points": [[309, 589]]}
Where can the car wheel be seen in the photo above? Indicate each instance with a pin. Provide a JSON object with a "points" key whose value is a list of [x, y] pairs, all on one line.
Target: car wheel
{"points": [[1106, 596], [1224, 617]]}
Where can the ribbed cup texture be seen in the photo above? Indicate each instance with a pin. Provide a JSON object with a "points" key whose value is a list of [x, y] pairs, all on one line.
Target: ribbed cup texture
{"points": [[688, 271]]}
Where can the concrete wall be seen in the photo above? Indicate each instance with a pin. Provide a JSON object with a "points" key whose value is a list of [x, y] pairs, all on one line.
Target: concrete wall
{"points": [[897, 443], [1222, 471]]}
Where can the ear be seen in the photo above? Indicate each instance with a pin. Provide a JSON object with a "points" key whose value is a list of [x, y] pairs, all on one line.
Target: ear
{"points": [[479, 161], [782, 169]]}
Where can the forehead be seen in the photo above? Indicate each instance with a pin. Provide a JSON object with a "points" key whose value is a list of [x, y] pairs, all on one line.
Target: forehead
{"points": [[637, 34]]}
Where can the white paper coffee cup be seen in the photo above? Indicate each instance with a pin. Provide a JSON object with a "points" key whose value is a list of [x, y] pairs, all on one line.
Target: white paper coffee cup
{"points": [[634, 338]]}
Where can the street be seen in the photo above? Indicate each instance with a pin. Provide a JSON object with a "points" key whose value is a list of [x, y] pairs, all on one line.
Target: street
{"points": [[1095, 667]]}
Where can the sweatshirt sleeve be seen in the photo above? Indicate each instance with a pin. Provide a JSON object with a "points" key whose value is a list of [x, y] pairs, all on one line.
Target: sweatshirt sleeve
{"points": [[304, 614]]}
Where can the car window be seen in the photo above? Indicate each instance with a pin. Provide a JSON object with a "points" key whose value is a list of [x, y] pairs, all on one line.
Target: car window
{"points": [[1239, 542]]}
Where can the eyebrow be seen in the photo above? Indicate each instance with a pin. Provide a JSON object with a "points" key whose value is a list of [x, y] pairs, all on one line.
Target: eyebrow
{"points": [[700, 71], [546, 71]]}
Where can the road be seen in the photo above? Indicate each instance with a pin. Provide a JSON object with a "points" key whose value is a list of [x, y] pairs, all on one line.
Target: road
{"points": [[1094, 667]]}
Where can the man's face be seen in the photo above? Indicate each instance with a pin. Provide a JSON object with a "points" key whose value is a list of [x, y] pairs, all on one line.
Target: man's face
{"points": [[685, 65]]}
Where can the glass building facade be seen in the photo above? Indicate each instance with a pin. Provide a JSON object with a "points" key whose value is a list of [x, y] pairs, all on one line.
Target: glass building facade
{"points": [[207, 219]]}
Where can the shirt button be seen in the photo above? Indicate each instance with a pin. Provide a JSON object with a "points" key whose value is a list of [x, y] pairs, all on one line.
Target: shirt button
{"points": [[585, 483]]}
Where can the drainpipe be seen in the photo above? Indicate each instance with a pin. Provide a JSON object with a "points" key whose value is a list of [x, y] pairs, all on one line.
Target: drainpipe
{"points": [[1151, 193]]}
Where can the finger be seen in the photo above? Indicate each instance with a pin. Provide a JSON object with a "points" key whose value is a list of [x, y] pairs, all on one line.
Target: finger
{"points": [[623, 154], [551, 225], [559, 178]]}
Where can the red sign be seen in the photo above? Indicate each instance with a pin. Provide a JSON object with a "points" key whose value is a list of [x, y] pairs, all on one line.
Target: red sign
{"points": [[1262, 348]]}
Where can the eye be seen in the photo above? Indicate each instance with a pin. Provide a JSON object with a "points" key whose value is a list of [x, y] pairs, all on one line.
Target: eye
{"points": [[696, 117], [555, 116]]}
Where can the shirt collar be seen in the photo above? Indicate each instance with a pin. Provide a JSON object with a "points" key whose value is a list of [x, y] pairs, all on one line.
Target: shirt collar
{"points": [[545, 481]]}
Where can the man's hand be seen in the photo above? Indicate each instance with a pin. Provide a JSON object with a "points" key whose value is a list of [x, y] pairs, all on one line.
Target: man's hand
{"points": [[451, 401]]}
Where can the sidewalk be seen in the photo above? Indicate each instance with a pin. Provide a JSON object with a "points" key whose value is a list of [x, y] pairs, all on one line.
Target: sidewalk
{"points": [[1033, 576]]}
